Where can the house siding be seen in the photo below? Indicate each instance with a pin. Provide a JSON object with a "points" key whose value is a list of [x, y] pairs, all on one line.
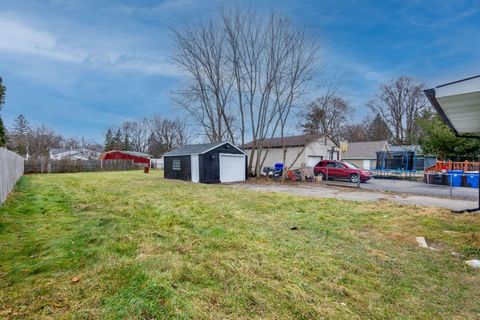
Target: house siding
{"points": [[320, 147], [184, 174]]}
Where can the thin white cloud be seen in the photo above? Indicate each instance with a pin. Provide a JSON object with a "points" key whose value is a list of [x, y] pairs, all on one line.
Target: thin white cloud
{"points": [[17, 37]]}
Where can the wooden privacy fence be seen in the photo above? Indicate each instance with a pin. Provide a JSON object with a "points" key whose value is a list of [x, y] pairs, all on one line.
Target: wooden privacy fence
{"points": [[67, 165], [11, 169], [451, 165]]}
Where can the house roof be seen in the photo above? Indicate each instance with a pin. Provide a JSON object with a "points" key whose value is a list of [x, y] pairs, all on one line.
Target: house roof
{"points": [[458, 103], [292, 141], [71, 151], [196, 149], [364, 150]]}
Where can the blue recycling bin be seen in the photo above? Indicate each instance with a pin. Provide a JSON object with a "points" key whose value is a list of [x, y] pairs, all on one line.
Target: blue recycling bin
{"points": [[455, 178], [472, 179], [278, 166]]}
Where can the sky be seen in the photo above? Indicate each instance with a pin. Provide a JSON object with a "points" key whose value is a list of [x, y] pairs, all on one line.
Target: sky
{"points": [[82, 66]]}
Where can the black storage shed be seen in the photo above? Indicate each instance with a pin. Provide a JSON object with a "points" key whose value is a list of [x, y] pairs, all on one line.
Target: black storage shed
{"points": [[206, 163]]}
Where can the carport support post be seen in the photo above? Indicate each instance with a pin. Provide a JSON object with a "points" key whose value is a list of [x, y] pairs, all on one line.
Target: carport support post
{"points": [[451, 184], [358, 181]]}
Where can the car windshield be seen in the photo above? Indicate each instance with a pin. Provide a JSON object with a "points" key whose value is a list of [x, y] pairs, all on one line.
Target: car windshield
{"points": [[350, 165]]}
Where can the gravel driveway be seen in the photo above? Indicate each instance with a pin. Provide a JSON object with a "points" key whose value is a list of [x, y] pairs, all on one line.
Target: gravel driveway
{"points": [[365, 194]]}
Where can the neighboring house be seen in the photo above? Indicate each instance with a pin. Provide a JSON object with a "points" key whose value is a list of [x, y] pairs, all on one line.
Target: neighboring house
{"points": [[206, 163], [307, 149], [74, 154], [156, 163], [364, 154], [136, 157]]}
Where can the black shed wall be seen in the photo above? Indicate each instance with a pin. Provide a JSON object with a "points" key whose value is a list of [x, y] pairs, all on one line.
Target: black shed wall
{"points": [[209, 163], [186, 170]]}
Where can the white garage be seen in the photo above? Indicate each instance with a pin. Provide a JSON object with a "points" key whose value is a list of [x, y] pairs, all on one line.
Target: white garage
{"points": [[206, 163], [313, 160]]}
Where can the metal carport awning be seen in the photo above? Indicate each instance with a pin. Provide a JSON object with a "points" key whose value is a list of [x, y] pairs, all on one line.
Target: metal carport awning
{"points": [[458, 103]]}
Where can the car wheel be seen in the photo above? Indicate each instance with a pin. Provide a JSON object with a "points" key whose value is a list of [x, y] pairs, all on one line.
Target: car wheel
{"points": [[354, 178]]}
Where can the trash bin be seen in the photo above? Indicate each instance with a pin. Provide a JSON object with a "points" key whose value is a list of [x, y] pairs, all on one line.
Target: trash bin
{"points": [[472, 179], [438, 179], [455, 178], [146, 170]]}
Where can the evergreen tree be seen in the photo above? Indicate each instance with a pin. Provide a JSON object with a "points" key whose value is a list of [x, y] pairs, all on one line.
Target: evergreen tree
{"points": [[126, 142], [108, 140], [21, 126], [3, 131], [19, 136], [3, 134], [437, 139], [117, 143], [378, 129]]}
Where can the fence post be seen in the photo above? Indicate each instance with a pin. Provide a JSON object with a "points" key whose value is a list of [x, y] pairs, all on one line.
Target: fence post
{"points": [[450, 177]]}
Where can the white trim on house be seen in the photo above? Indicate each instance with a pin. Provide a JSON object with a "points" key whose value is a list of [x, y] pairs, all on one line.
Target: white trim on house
{"points": [[195, 168], [218, 145]]}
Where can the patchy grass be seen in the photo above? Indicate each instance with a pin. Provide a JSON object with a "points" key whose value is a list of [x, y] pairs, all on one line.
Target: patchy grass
{"points": [[135, 246]]}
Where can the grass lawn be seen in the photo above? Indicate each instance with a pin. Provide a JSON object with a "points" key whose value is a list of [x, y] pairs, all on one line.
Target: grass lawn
{"points": [[125, 245]]}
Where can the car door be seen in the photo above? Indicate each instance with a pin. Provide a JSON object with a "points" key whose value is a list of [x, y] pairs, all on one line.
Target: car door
{"points": [[341, 170], [331, 170]]}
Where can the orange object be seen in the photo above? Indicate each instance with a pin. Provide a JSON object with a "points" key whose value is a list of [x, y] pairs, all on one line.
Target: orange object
{"points": [[146, 170]]}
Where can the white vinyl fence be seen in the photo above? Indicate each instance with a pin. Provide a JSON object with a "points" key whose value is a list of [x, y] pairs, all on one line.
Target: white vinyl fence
{"points": [[11, 169]]}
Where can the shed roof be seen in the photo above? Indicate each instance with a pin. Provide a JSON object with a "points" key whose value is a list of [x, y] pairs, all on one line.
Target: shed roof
{"points": [[364, 150], [132, 153], [292, 141], [196, 149]]}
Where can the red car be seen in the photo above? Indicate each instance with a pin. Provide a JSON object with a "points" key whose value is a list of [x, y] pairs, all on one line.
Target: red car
{"points": [[341, 170]]}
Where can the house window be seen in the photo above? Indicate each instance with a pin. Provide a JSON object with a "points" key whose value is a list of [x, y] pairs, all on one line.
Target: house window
{"points": [[177, 164]]}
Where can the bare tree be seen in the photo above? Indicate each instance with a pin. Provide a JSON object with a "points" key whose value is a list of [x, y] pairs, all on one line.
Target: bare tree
{"points": [[137, 135], [41, 140], [399, 104], [328, 114], [200, 54], [245, 72], [356, 132], [166, 135]]}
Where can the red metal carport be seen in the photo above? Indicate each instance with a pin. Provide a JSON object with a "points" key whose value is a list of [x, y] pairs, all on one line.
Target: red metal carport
{"points": [[136, 157]]}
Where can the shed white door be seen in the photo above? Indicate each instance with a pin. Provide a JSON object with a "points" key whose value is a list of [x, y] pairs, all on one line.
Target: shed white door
{"points": [[232, 167], [313, 160], [195, 167]]}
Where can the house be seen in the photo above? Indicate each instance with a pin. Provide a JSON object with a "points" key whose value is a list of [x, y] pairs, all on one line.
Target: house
{"points": [[206, 163], [74, 154], [307, 149], [156, 163], [136, 157], [364, 154]]}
